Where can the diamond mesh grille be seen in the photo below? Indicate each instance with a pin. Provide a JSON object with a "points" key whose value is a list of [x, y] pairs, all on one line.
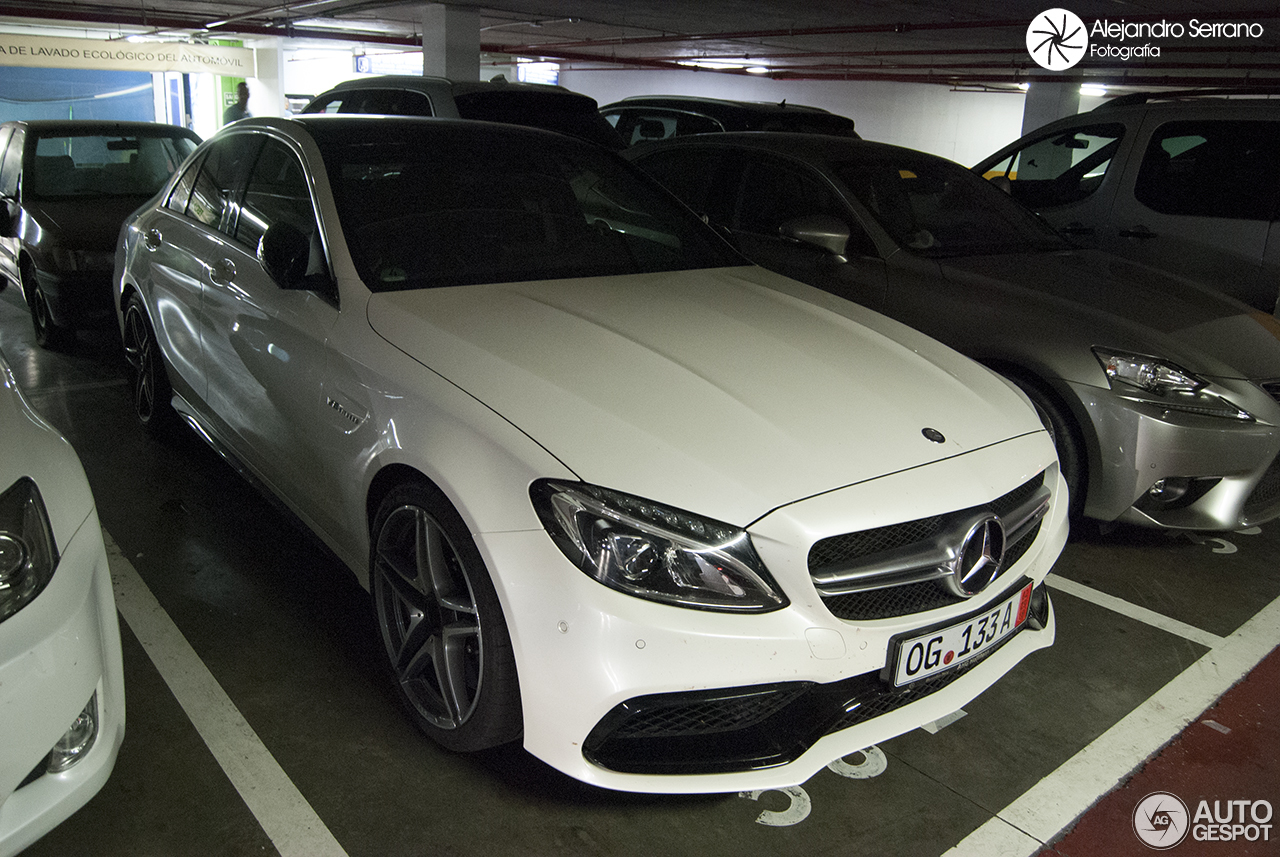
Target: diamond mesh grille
{"points": [[910, 598], [709, 716]]}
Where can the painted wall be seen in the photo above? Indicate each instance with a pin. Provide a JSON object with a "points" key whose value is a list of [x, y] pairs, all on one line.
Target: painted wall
{"points": [[52, 93], [962, 126]]}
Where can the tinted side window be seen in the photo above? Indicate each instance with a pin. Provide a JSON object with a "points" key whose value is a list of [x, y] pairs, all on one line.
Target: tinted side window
{"points": [[392, 102], [213, 200], [774, 192], [692, 175], [639, 124], [276, 191], [1062, 168], [181, 193], [1212, 169], [12, 167]]}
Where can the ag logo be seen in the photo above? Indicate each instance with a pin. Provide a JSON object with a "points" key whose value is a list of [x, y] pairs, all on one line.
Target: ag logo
{"points": [[1057, 39], [1160, 820]]}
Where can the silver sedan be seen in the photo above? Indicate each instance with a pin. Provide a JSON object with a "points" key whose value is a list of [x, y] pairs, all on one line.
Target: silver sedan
{"points": [[1161, 394]]}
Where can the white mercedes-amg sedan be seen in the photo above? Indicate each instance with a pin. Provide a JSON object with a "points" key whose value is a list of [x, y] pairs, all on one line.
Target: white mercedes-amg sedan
{"points": [[675, 523]]}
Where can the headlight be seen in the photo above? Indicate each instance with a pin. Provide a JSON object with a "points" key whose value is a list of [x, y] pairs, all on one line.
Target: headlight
{"points": [[28, 554], [1169, 385], [655, 552]]}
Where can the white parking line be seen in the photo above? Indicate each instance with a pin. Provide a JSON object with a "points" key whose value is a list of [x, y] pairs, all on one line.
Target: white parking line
{"points": [[1133, 611], [1034, 819], [281, 810]]}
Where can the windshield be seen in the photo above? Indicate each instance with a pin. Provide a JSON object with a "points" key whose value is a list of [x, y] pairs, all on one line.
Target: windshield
{"points": [[446, 205], [935, 208], [87, 165]]}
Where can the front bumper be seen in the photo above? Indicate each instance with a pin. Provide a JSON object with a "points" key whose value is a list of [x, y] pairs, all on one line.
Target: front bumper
{"points": [[55, 655], [79, 299], [1231, 467], [804, 686]]}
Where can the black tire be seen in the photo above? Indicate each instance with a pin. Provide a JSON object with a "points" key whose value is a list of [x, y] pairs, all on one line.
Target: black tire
{"points": [[1067, 440], [49, 334], [152, 394], [441, 624]]}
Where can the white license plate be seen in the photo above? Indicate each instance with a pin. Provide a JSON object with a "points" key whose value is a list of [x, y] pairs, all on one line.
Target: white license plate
{"points": [[946, 648]]}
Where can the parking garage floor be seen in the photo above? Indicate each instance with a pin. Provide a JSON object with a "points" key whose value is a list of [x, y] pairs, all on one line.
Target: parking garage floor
{"points": [[260, 720]]}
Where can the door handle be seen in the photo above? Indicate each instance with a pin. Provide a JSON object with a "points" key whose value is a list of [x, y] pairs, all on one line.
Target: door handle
{"points": [[1140, 232], [1076, 229], [221, 273], [152, 239]]}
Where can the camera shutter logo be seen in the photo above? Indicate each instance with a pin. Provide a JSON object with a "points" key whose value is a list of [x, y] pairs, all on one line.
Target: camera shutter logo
{"points": [[1057, 39], [1161, 820]]}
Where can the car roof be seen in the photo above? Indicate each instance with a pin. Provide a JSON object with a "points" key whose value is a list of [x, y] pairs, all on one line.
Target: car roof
{"points": [[766, 107], [73, 127], [337, 126], [1261, 98], [430, 83], [792, 143]]}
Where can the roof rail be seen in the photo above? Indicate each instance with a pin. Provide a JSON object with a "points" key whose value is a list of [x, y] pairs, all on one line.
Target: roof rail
{"points": [[1179, 94]]}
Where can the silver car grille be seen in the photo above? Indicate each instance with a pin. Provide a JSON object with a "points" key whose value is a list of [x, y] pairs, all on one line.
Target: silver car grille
{"points": [[898, 570]]}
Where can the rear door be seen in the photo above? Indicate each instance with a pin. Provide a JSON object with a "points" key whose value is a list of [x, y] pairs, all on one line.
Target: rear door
{"points": [[1201, 201], [265, 346]]}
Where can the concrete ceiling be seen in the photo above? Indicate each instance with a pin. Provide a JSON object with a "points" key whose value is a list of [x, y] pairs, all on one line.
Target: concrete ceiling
{"points": [[981, 43]]}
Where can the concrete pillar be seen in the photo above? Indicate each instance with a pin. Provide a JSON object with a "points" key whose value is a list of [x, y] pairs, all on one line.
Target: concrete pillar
{"points": [[451, 41], [266, 96], [1047, 101]]}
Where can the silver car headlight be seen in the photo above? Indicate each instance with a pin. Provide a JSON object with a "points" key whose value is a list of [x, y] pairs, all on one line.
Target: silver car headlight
{"points": [[1166, 384], [28, 554], [655, 552]]}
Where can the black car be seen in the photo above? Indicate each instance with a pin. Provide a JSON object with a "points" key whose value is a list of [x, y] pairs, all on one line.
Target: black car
{"points": [[65, 189], [657, 117]]}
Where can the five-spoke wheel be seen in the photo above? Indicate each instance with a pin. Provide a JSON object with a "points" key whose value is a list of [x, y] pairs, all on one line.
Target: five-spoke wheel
{"points": [[151, 391], [441, 622]]}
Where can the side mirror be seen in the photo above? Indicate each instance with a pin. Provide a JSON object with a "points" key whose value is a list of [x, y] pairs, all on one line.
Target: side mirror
{"points": [[284, 251], [823, 231], [1003, 183]]}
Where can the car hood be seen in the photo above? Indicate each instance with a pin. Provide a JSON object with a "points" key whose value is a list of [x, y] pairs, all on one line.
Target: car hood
{"points": [[728, 392], [35, 450], [89, 223], [1130, 306]]}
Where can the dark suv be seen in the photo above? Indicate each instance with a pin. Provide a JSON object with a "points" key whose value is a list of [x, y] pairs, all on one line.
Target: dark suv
{"points": [[656, 117], [1185, 182], [537, 105]]}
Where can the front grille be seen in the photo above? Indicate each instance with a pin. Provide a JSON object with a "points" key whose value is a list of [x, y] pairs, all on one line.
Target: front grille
{"points": [[903, 598]]}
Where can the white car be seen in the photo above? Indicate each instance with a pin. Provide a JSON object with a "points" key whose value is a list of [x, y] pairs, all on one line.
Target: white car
{"points": [[61, 669], [675, 522]]}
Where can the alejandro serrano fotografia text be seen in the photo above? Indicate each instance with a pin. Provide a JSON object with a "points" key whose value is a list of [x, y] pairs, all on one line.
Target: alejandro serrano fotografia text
{"points": [[1195, 29]]}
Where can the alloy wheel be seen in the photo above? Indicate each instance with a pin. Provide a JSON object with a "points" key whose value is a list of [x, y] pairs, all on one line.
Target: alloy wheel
{"points": [[428, 617]]}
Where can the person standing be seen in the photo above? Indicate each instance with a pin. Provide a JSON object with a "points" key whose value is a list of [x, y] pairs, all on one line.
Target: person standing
{"points": [[239, 110]]}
